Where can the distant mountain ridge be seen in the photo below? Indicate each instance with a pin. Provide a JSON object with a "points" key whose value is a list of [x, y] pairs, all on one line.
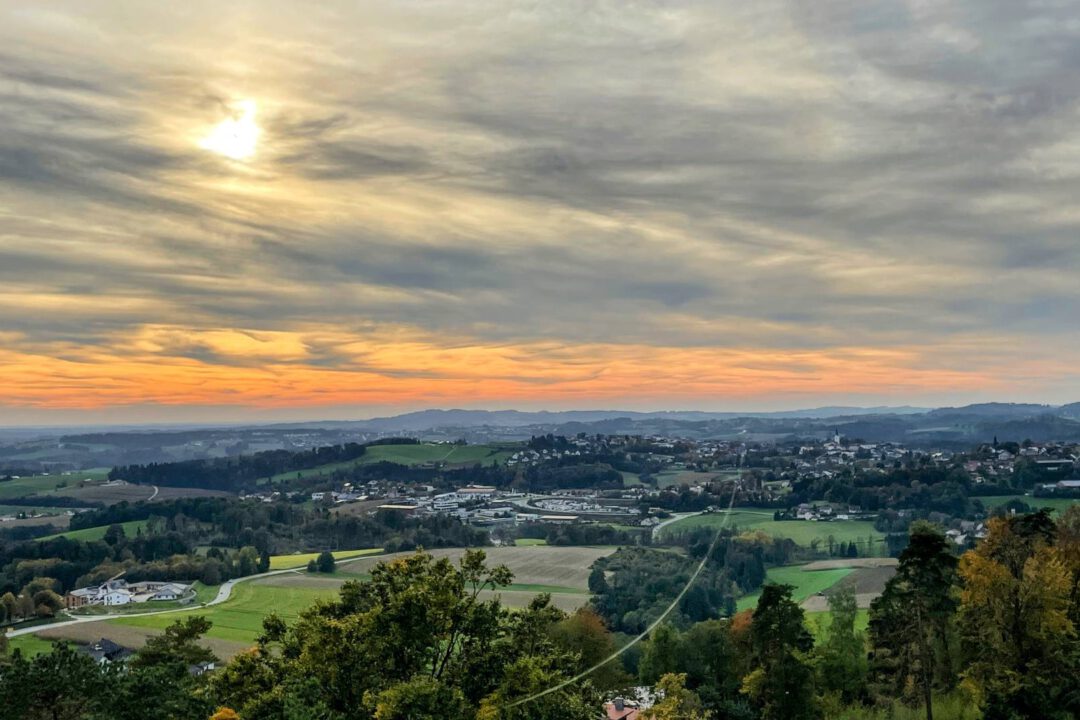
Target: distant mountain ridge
{"points": [[430, 419]]}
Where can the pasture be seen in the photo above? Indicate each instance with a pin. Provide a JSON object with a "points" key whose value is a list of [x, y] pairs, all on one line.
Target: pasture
{"points": [[806, 582], [90, 534], [561, 571], [26, 486], [451, 455], [803, 532], [299, 560], [1059, 505]]}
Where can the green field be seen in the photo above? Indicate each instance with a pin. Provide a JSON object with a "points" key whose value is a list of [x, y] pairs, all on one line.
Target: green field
{"points": [[527, 542], [805, 583], [30, 645], [240, 619], [97, 533], [1059, 505], [414, 455], [801, 531], [298, 560]]}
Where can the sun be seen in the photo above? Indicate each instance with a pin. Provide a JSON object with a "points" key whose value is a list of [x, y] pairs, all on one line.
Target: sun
{"points": [[235, 137]]}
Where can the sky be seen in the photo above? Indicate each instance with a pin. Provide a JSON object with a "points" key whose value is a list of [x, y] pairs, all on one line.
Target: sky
{"points": [[263, 210]]}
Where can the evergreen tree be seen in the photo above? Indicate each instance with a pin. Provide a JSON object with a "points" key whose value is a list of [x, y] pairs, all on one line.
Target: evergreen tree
{"points": [[911, 623], [782, 683]]}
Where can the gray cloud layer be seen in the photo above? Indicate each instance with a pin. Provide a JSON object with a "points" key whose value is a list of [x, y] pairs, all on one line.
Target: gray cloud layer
{"points": [[712, 174]]}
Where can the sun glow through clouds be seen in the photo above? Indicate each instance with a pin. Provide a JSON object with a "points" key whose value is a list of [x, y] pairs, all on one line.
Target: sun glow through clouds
{"points": [[235, 137]]}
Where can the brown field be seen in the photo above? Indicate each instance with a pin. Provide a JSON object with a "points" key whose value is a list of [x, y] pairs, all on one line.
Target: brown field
{"points": [[111, 494], [867, 562], [867, 582], [533, 565], [132, 637], [510, 598], [357, 508], [58, 521]]}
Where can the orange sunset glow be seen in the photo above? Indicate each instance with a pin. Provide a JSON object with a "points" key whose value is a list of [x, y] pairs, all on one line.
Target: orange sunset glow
{"points": [[557, 208]]}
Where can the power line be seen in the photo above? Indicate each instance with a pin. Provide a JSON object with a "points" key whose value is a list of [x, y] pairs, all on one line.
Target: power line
{"points": [[655, 623]]}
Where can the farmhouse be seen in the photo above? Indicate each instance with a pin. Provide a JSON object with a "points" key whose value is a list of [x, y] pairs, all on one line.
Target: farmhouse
{"points": [[105, 651], [119, 592]]}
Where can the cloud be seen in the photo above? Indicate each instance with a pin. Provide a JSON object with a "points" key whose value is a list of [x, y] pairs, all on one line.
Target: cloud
{"points": [[782, 178]]}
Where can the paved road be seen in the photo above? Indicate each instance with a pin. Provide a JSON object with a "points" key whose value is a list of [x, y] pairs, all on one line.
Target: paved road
{"points": [[156, 491], [673, 519], [224, 592]]}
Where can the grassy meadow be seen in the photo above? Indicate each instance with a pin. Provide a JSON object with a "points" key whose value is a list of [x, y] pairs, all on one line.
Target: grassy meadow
{"points": [[90, 534], [805, 582], [299, 560], [802, 532], [414, 455]]}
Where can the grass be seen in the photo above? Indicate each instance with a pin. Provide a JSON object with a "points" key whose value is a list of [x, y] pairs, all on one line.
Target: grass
{"points": [[530, 542], [30, 645], [802, 532], [806, 583], [539, 588], [240, 619], [97, 533], [1059, 505], [412, 455], [284, 562]]}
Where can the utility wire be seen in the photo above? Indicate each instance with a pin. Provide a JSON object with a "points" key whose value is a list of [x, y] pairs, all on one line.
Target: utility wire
{"points": [[655, 623]]}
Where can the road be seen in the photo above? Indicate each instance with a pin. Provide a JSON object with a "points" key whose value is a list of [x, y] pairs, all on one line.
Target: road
{"points": [[673, 519], [156, 491], [224, 592]]}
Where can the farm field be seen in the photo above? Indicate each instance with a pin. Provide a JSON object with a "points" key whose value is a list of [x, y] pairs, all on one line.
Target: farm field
{"points": [[562, 571], [57, 521], [96, 533], [413, 455], [32, 509], [807, 583], [540, 565], [299, 560], [113, 493], [1059, 505], [680, 476], [25, 486], [801, 531]]}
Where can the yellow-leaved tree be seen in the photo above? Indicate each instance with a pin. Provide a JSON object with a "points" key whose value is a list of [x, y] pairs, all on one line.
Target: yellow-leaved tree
{"points": [[1018, 639]]}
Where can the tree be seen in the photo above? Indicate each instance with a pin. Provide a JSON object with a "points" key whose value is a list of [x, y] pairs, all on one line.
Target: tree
{"points": [[416, 640], [60, 685], [264, 562], [911, 622], [24, 606], [678, 703], [11, 606], [782, 683], [842, 665], [709, 658], [585, 634], [1015, 621], [47, 603], [179, 644], [312, 566], [114, 534], [662, 654], [325, 562]]}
